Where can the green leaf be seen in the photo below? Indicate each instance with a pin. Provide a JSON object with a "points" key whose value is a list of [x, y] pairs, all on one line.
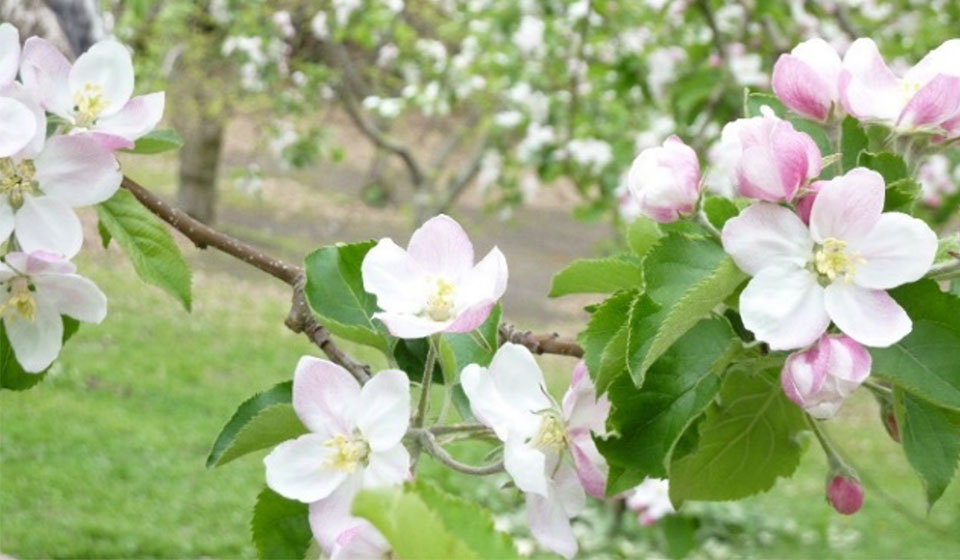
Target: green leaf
{"points": [[413, 529], [148, 243], [12, 376], [890, 165], [853, 140], [642, 235], [680, 534], [927, 361], [901, 195], [931, 441], [105, 236], [280, 527], [754, 101], [819, 136], [597, 276], [262, 421], [609, 320], [335, 292], [468, 521], [156, 142], [476, 347], [748, 439], [719, 210], [678, 388]]}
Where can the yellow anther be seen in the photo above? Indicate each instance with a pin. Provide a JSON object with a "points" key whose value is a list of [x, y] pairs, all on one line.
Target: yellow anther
{"points": [[20, 303], [441, 302], [348, 453], [909, 88], [834, 261], [552, 435], [88, 103], [16, 180]]}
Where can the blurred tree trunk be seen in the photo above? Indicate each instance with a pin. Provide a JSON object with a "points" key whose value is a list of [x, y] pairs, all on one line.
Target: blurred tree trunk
{"points": [[199, 166], [34, 17]]}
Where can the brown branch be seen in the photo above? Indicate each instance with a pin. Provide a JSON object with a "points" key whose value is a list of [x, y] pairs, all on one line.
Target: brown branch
{"points": [[541, 343]]}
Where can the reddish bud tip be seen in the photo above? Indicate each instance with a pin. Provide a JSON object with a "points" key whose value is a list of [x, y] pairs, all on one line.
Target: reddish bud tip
{"points": [[890, 423], [845, 494]]}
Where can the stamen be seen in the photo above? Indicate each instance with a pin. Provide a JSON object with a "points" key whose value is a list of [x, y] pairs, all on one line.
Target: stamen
{"points": [[441, 302], [552, 435], [89, 102], [20, 303], [349, 453], [17, 180], [834, 261]]}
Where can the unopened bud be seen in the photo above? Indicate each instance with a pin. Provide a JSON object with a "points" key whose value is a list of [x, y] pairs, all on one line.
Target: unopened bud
{"points": [[890, 423], [845, 494]]}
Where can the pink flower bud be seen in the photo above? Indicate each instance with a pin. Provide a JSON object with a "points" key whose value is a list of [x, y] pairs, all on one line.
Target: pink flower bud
{"points": [[773, 160], [807, 80], [890, 423], [821, 378], [666, 180], [804, 202], [845, 494]]}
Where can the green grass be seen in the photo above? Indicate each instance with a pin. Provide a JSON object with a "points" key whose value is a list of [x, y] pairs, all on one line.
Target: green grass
{"points": [[105, 458]]}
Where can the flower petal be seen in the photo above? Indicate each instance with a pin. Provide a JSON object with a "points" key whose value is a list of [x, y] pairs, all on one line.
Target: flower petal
{"points": [[36, 344], [871, 317], [847, 207], [525, 465], [936, 103], [591, 467], [550, 524], [387, 468], [18, 92], [868, 89], [72, 295], [489, 406], [325, 397], [801, 88], [899, 249], [485, 283], [361, 542], [519, 380], [941, 60], [471, 318], [404, 325], [783, 306], [9, 54], [849, 360], [331, 516], [442, 248], [298, 469], [395, 278], [17, 126], [108, 65], [39, 263], [45, 72], [7, 219], [45, 224], [77, 170], [804, 372], [139, 116], [384, 410], [581, 407], [766, 235]]}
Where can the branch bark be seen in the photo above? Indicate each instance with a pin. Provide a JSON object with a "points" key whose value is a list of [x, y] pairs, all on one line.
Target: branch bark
{"points": [[541, 343]]}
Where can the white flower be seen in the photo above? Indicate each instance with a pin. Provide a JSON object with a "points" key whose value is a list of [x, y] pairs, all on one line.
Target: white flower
{"points": [[651, 500], [529, 36]]}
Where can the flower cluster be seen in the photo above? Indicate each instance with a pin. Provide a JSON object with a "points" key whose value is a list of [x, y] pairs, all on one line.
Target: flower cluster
{"points": [[60, 124]]}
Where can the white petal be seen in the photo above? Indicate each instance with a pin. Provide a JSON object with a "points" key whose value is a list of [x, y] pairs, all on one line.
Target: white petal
{"points": [[9, 53], [108, 65], [73, 295], [871, 317], [581, 407], [566, 485], [941, 60], [45, 224], [297, 469], [489, 406], [550, 525], [36, 343], [783, 306], [331, 516], [442, 248], [20, 93], [485, 282], [405, 325], [847, 207], [7, 219], [868, 88], [45, 72], [139, 116], [395, 278], [519, 379], [525, 465], [39, 263], [765, 235], [898, 250], [387, 468], [17, 126], [384, 409], [77, 170], [325, 396]]}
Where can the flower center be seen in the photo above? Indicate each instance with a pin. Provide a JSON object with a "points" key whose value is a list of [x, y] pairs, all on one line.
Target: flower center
{"points": [[88, 103], [348, 454], [16, 180], [908, 88], [552, 435], [440, 303], [21, 302], [833, 260]]}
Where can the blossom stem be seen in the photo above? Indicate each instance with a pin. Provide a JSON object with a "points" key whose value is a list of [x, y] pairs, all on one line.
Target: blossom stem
{"points": [[833, 458], [433, 447], [705, 222], [877, 388], [424, 403], [945, 271]]}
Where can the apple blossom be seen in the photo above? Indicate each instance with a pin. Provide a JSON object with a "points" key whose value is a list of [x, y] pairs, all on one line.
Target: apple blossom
{"points": [[548, 449], [845, 494], [807, 79], [433, 286], [665, 180], [354, 441], [17, 119], [35, 290], [94, 93], [837, 269], [926, 98], [9, 54], [650, 500], [821, 378], [769, 159]]}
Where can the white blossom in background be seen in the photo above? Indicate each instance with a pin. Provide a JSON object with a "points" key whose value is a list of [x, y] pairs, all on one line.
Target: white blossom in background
{"points": [[343, 9], [491, 166], [538, 136], [387, 54], [528, 38], [433, 50], [936, 180], [661, 126], [651, 500], [747, 68], [395, 6], [508, 119], [388, 108], [588, 152], [662, 68], [318, 26], [284, 23]]}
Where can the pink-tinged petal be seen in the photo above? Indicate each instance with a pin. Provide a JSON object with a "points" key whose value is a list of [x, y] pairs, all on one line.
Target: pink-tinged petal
{"points": [[77, 171], [591, 467], [384, 410], [17, 126], [941, 60], [783, 306], [665, 180], [804, 372], [849, 360], [45, 72], [471, 318], [9, 54], [936, 103], [442, 248], [404, 325], [549, 516], [36, 344], [804, 203], [566, 485], [868, 89], [395, 278], [108, 65], [847, 207], [871, 317], [801, 88], [299, 469], [45, 224], [73, 295], [485, 283], [389, 467], [108, 142], [824, 60], [331, 516], [766, 235], [362, 542], [138, 117], [325, 397], [39, 263], [7, 219], [525, 465], [776, 159], [899, 249], [845, 494], [581, 407]]}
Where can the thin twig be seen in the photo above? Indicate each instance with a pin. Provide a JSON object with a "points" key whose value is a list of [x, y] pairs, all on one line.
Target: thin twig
{"points": [[541, 343], [433, 447]]}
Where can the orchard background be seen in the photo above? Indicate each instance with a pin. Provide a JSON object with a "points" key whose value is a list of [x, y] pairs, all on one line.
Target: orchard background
{"points": [[307, 123]]}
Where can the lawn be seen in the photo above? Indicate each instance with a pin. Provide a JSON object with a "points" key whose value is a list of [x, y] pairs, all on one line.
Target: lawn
{"points": [[105, 458]]}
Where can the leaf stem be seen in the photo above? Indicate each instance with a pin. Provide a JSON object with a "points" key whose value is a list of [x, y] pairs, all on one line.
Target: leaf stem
{"points": [[429, 441]]}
